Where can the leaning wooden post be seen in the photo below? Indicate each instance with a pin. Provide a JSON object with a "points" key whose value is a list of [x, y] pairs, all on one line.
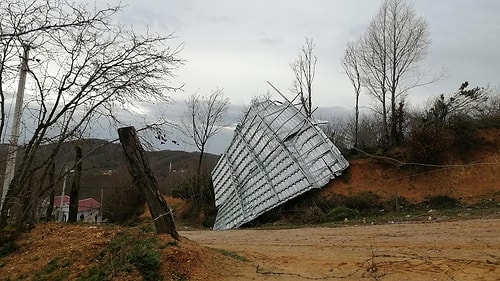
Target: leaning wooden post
{"points": [[145, 180]]}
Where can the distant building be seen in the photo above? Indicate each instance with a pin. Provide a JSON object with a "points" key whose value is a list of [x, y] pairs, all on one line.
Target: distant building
{"points": [[108, 172], [88, 209]]}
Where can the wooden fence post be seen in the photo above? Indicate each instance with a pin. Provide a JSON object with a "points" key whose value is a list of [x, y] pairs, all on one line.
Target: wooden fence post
{"points": [[145, 180]]}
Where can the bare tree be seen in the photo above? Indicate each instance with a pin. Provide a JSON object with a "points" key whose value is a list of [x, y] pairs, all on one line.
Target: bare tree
{"points": [[350, 63], [204, 118], [340, 131], [395, 42], [304, 68], [85, 68]]}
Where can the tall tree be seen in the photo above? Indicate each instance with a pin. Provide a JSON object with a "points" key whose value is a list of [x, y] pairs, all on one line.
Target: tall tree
{"points": [[304, 69], [350, 63], [391, 49], [85, 68], [204, 118]]}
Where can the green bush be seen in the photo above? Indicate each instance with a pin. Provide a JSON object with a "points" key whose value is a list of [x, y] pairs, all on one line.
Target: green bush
{"points": [[7, 241], [465, 134], [53, 271], [427, 144], [312, 215], [145, 258], [123, 253], [7, 247], [95, 274], [441, 202], [364, 202], [198, 191], [341, 213], [124, 205]]}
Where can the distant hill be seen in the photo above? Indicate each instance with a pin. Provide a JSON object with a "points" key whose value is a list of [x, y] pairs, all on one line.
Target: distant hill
{"points": [[105, 166]]}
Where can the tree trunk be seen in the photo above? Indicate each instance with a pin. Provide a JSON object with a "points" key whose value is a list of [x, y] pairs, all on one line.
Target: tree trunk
{"points": [[384, 120], [144, 179], [52, 194], [394, 119], [356, 125], [75, 187], [200, 160]]}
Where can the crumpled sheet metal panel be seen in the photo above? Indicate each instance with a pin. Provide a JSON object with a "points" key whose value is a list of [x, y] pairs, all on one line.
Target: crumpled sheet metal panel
{"points": [[276, 154]]}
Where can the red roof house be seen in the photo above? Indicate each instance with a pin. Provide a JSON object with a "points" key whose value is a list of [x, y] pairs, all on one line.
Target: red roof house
{"points": [[88, 209]]}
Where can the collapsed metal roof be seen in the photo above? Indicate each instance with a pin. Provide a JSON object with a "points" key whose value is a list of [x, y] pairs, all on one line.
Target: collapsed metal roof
{"points": [[276, 154]]}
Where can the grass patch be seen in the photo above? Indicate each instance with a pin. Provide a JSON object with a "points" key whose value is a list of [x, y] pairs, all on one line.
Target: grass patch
{"points": [[53, 271], [231, 254], [341, 213], [125, 253], [368, 208]]}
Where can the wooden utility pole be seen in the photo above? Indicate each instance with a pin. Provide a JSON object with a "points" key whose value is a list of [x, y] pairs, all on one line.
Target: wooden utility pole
{"points": [[10, 165], [145, 180]]}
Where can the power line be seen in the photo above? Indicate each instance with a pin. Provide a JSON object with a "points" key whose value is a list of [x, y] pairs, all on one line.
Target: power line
{"points": [[402, 163]]}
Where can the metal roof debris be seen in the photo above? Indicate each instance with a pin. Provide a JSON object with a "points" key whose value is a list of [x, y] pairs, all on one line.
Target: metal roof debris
{"points": [[276, 154]]}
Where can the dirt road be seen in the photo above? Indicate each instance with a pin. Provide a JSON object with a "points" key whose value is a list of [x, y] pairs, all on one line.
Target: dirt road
{"points": [[458, 250]]}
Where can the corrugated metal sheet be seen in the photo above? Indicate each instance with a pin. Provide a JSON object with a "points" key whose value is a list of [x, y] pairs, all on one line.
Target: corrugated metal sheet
{"points": [[276, 154]]}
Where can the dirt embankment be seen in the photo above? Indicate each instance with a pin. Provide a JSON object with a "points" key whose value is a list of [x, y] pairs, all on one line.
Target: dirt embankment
{"points": [[469, 180]]}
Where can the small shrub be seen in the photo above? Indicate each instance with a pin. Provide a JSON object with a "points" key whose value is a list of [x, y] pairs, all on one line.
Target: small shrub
{"points": [[340, 213], [53, 271], [123, 253], [124, 205], [487, 203], [145, 258], [198, 191], [465, 134], [7, 241], [441, 202], [7, 247], [312, 215], [147, 228], [95, 274], [364, 202], [427, 144], [396, 202]]}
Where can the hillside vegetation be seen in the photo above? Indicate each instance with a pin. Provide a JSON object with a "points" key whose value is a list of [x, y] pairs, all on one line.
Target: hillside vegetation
{"points": [[105, 173]]}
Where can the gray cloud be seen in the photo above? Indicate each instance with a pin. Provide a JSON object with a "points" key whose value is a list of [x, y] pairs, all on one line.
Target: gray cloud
{"points": [[239, 45]]}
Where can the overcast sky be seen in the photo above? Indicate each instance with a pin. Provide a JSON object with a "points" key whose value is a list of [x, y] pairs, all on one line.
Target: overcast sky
{"points": [[239, 45]]}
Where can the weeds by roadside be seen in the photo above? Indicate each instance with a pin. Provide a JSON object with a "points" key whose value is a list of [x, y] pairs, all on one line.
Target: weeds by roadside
{"points": [[125, 253], [369, 208], [231, 254]]}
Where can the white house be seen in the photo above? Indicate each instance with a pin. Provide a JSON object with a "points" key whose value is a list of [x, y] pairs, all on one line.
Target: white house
{"points": [[88, 209]]}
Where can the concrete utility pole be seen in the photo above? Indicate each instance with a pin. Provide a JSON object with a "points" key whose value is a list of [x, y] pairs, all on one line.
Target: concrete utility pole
{"points": [[10, 165], [62, 195]]}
